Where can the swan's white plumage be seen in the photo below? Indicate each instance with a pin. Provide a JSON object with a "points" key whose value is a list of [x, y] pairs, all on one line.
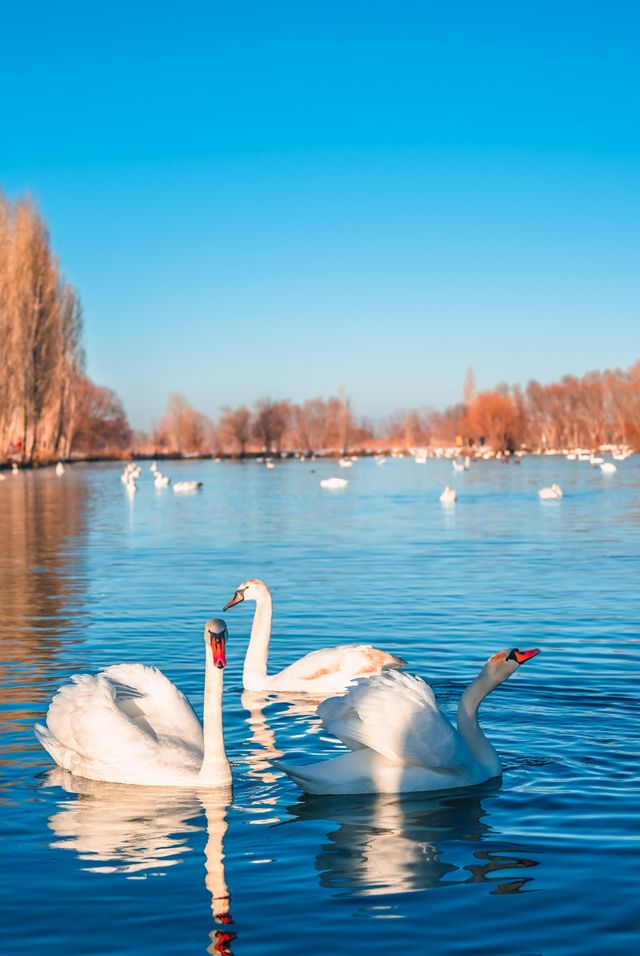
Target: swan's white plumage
{"points": [[395, 715], [128, 724], [332, 669], [322, 672], [399, 740]]}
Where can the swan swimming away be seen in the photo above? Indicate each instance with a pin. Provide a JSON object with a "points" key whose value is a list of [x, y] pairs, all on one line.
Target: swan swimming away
{"points": [[130, 724], [400, 741], [334, 483], [160, 480], [549, 494], [59, 469], [448, 496], [320, 672], [181, 486]]}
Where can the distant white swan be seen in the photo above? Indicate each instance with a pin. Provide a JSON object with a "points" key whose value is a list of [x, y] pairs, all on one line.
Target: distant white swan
{"points": [[59, 469], [334, 483], [399, 740], [547, 494], [448, 496], [457, 465], [181, 486], [608, 467], [345, 463], [161, 481], [130, 724], [321, 672]]}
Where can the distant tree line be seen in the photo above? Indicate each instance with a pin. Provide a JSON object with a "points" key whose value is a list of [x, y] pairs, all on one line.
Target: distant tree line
{"points": [[599, 408]]}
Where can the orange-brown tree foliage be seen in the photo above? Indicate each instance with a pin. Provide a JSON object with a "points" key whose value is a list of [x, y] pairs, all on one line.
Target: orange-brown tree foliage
{"points": [[100, 424], [42, 383]]}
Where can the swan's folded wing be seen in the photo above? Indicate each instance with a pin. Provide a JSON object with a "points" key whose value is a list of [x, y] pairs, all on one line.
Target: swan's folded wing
{"points": [[145, 694], [345, 659], [90, 733], [396, 715]]}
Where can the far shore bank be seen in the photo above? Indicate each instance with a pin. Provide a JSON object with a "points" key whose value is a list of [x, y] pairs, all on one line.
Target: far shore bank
{"points": [[420, 454]]}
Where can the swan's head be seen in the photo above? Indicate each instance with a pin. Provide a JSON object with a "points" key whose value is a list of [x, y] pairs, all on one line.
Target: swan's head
{"points": [[503, 664], [215, 636], [249, 590]]}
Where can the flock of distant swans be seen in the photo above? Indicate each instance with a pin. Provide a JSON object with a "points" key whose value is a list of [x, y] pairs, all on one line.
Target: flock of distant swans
{"points": [[129, 724]]}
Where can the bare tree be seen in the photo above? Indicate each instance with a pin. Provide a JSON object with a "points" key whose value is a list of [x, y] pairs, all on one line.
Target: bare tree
{"points": [[234, 429]]}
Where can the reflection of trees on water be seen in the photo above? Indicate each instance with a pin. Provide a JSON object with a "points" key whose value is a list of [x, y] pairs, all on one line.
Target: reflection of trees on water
{"points": [[40, 516], [385, 844], [118, 829]]}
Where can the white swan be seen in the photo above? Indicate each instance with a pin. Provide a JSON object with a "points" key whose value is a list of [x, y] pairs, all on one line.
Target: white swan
{"points": [[161, 481], [448, 496], [130, 724], [345, 463], [549, 494], [398, 739], [321, 672], [181, 486], [608, 467], [59, 469], [334, 483], [457, 465]]}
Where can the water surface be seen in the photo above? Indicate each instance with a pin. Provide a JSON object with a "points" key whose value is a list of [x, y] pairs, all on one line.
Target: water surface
{"points": [[544, 863]]}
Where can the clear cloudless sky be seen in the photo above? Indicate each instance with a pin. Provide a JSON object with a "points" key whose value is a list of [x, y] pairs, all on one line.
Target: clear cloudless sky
{"points": [[280, 198]]}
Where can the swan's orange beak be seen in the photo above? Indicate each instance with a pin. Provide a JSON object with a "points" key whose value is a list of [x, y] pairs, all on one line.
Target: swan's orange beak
{"points": [[218, 650], [522, 656], [237, 597]]}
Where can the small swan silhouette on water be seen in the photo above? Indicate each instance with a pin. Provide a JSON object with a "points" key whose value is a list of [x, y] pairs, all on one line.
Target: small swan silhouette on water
{"points": [[549, 494]]}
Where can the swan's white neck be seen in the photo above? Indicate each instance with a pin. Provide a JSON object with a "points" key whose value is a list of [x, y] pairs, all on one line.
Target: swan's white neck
{"points": [[215, 766], [254, 672], [469, 727]]}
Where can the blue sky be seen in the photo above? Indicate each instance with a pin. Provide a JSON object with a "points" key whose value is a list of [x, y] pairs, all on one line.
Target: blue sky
{"points": [[278, 198]]}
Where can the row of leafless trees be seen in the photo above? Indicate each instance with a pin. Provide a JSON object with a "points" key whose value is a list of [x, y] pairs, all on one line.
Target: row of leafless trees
{"points": [[269, 427], [47, 404], [599, 408]]}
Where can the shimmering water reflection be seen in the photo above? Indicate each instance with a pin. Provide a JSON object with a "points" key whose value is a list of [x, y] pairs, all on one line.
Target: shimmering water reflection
{"points": [[544, 861]]}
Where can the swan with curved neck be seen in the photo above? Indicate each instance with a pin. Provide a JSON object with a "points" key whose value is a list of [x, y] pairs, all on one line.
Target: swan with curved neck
{"points": [[130, 724], [400, 741], [321, 672]]}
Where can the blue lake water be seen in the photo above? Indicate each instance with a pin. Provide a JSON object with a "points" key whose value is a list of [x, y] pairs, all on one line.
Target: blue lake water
{"points": [[545, 863]]}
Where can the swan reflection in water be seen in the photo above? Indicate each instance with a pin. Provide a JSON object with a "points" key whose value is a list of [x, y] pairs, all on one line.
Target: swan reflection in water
{"points": [[387, 844], [114, 828]]}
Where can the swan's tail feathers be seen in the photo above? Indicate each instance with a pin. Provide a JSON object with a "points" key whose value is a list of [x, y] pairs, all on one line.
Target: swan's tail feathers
{"points": [[50, 744], [394, 663], [299, 774]]}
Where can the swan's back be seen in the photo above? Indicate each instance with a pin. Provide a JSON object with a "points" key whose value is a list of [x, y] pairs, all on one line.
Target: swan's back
{"points": [[128, 724], [395, 715]]}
